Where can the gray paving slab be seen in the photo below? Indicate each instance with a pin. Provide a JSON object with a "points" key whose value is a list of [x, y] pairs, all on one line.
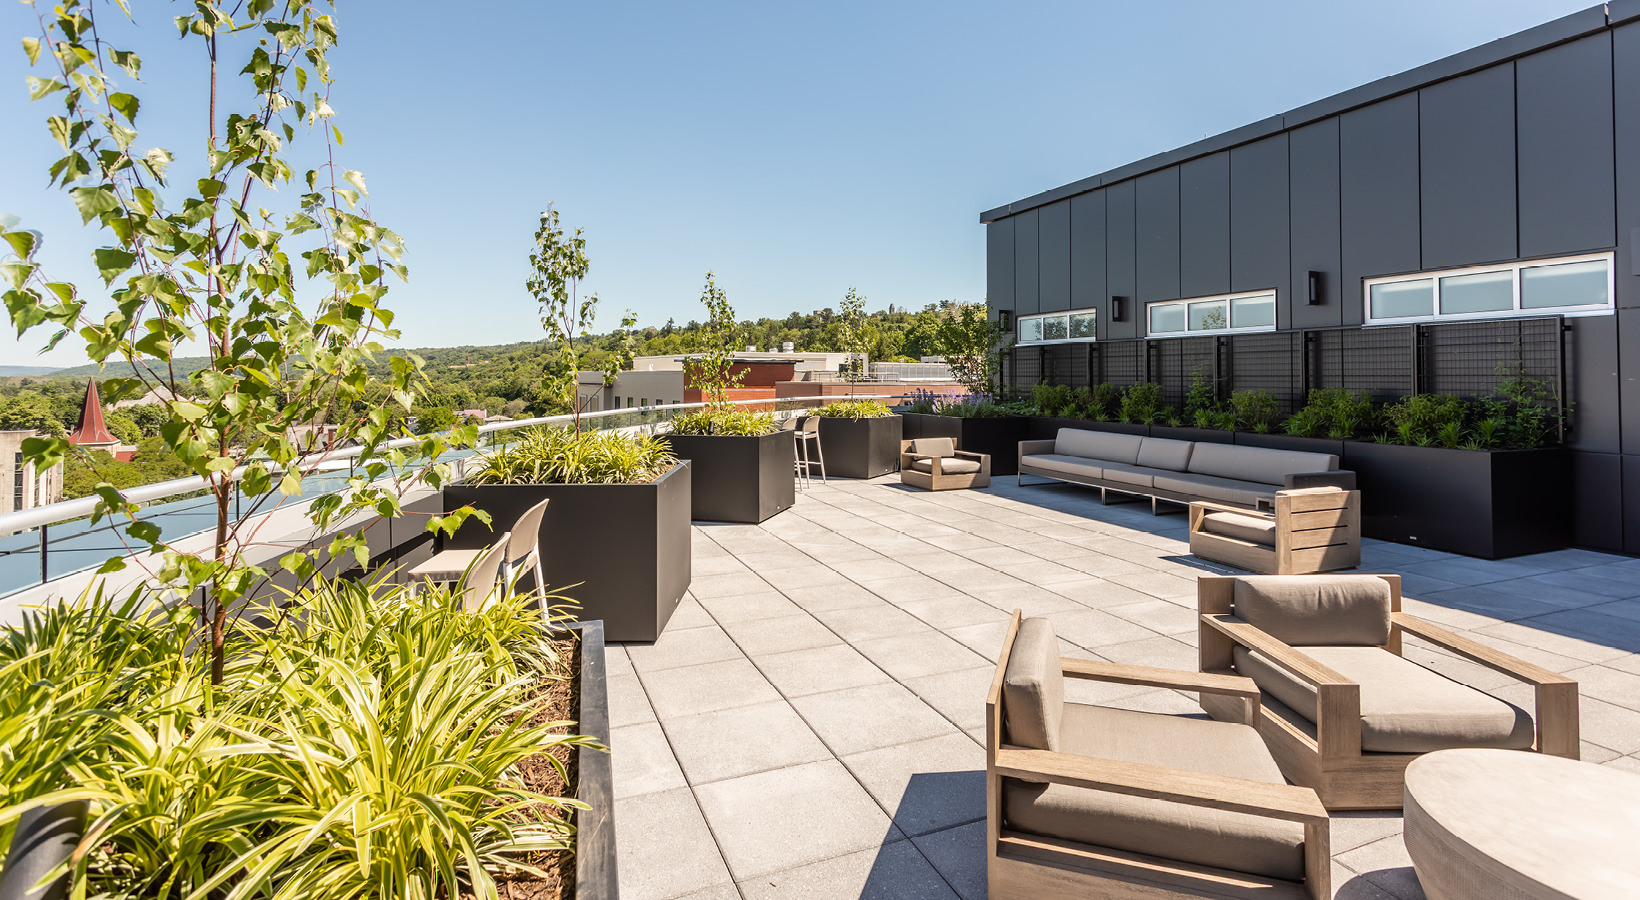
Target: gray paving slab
{"points": [[665, 848], [925, 785], [897, 871], [745, 740], [866, 718]]}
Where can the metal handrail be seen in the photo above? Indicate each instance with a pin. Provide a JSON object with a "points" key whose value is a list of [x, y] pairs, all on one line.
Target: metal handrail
{"points": [[42, 517]]}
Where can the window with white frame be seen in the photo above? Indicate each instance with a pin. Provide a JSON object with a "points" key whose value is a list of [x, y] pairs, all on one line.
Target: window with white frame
{"points": [[1074, 325], [1213, 315], [1573, 285]]}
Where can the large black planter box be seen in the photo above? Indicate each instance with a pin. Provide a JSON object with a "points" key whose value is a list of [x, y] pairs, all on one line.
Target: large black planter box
{"points": [[1046, 428], [1491, 504], [1292, 442], [627, 545], [738, 478], [595, 870], [1189, 433], [998, 436], [861, 448]]}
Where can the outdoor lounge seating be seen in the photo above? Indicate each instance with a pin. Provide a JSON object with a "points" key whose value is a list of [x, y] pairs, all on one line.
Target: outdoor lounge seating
{"points": [[1085, 801], [1178, 471], [1310, 530], [1344, 711], [935, 464]]}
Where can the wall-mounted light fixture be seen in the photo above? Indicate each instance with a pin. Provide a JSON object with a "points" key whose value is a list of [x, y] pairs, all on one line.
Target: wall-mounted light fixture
{"points": [[1118, 309], [1316, 291], [1005, 319]]}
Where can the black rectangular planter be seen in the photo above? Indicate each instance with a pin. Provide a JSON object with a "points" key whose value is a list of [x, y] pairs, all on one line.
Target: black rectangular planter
{"points": [[595, 869], [1189, 433], [1292, 442], [861, 448], [738, 478], [627, 545], [999, 436], [1046, 428], [1491, 504]]}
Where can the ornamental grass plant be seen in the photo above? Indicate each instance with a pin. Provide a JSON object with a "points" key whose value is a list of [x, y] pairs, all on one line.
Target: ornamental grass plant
{"points": [[854, 409], [365, 743], [561, 456], [725, 421]]}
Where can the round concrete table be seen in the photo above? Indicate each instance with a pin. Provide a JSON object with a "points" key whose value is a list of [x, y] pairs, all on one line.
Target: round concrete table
{"points": [[1513, 825]]}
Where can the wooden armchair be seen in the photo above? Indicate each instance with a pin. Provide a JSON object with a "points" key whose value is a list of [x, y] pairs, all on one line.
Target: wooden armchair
{"points": [[1344, 712], [935, 464], [1310, 530], [1084, 801]]}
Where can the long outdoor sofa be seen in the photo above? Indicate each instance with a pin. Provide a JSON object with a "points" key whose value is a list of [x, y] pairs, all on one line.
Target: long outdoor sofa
{"points": [[1178, 471]]}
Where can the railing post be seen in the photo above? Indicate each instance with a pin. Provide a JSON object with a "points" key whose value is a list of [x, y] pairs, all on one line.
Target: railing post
{"points": [[43, 576]]}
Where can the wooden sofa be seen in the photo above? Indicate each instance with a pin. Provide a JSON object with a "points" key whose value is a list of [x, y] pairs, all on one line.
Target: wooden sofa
{"points": [[935, 464], [1084, 801], [1310, 530], [1343, 711], [1178, 471]]}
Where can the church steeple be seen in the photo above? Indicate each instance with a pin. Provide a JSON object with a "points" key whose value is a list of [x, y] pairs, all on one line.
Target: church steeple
{"points": [[93, 431]]}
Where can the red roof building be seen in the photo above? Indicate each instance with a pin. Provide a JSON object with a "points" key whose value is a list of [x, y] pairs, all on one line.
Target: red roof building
{"points": [[93, 432]]}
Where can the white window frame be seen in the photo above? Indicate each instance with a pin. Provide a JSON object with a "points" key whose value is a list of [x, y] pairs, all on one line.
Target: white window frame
{"points": [[1019, 327], [1435, 276], [1228, 329]]}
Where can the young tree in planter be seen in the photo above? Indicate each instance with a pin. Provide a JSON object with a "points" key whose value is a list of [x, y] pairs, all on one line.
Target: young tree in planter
{"points": [[854, 335], [224, 268], [973, 345], [559, 264], [712, 371]]}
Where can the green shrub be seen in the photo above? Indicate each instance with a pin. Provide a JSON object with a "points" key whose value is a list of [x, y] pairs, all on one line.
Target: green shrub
{"points": [[1053, 400], [1203, 396], [1426, 419], [1255, 410], [1526, 413], [1144, 404], [855, 409], [970, 407], [560, 456], [726, 421], [1099, 402], [1332, 413]]}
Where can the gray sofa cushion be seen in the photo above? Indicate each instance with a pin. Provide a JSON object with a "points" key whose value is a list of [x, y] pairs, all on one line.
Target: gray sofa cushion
{"points": [[1162, 828], [1138, 476], [1256, 463], [1405, 708], [1161, 453], [1252, 529], [1224, 490], [940, 446], [1305, 610], [949, 465], [1033, 687], [1103, 445], [1079, 466]]}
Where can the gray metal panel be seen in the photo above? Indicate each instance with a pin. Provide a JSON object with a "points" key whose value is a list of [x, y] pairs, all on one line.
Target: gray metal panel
{"points": [[1314, 205], [1157, 221], [1054, 251], [1120, 246], [1260, 247], [1597, 501], [1204, 225], [1627, 410], [999, 264], [1466, 139], [1591, 369], [1088, 257], [1626, 77], [1378, 195], [1026, 263], [1566, 146], [1631, 503]]}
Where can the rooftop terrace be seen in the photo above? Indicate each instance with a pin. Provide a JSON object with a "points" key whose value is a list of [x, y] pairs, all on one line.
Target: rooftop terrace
{"points": [[811, 723]]}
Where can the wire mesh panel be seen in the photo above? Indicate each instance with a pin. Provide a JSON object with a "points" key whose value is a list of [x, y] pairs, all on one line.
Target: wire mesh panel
{"points": [[1271, 362], [1471, 358], [1378, 361], [1027, 367], [1118, 362], [1177, 363]]}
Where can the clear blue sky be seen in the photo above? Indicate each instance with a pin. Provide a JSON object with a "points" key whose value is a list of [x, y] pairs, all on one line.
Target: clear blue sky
{"points": [[796, 149]]}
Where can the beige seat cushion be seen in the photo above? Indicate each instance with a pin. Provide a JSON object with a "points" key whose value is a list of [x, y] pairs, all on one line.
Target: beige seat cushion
{"points": [[1033, 687], [1138, 476], [1171, 830], [1256, 463], [1078, 466], [941, 446], [1329, 610], [1161, 453], [949, 465], [1252, 529], [1224, 490], [1104, 445], [1405, 708]]}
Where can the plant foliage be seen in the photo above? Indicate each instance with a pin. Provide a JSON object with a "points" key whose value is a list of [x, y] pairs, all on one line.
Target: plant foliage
{"points": [[558, 263], [712, 371], [731, 421], [565, 456], [973, 345], [855, 409]]}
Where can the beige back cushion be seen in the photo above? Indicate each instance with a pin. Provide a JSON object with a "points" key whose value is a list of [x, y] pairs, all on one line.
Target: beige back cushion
{"points": [[1122, 448], [1033, 687], [1310, 610], [1161, 453], [941, 446], [1257, 463]]}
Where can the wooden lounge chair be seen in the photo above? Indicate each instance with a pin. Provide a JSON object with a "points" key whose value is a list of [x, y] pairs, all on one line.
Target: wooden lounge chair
{"points": [[935, 464], [1344, 712], [1310, 530], [1084, 801]]}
